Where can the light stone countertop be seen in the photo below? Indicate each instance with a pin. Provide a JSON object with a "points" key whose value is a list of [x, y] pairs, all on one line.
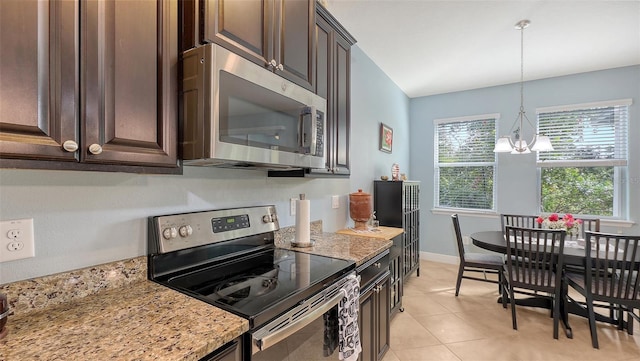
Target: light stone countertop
{"points": [[112, 312], [350, 247]]}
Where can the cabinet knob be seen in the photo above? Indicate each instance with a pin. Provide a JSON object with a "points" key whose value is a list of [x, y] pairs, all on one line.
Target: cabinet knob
{"points": [[273, 63], [95, 149], [280, 67], [70, 146], [377, 264]]}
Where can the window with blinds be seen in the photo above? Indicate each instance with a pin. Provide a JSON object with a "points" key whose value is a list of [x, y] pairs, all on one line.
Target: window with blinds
{"points": [[465, 162], [585, 171]]}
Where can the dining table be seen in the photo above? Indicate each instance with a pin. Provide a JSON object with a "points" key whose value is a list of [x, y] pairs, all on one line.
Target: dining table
{"points": [[574, 255]]}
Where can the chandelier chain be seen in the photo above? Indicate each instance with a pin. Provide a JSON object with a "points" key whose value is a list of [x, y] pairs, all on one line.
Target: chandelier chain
{"points": [[522, 68]]}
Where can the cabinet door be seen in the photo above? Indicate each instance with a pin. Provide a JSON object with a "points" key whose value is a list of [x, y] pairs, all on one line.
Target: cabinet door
{"points": [[275, 34], [38, 92], [243, 27], [341, 123], [397, 274], [294, 44], [383, 338], [129, 110], [367, 324], [324, 83], [332, 82]]}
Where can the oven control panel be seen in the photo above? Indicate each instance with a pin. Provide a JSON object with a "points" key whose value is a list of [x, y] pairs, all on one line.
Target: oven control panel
{"points": [[181, 231], [230, 223]]}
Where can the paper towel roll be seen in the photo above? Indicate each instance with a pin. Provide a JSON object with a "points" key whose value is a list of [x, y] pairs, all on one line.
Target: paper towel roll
{"points": [[303, 221]]}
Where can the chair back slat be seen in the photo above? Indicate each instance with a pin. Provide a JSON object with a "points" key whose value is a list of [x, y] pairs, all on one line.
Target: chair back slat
{"points": [[532, 256], [614, 266], [631, 286]]}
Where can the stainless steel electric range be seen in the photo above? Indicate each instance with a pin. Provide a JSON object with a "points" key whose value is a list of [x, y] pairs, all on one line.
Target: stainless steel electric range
{"points": [[228, 258]]}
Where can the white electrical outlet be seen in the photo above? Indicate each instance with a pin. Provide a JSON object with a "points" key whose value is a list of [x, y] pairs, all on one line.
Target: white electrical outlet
{"points": [[292, 206], [16, 239], [335, 202]]}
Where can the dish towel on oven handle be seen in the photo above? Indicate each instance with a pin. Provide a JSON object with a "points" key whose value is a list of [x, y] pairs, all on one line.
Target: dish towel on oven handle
{"points": [[349, 335]]}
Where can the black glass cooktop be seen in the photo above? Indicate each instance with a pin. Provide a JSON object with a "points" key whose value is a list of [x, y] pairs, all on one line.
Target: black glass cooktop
{"points": [[260, 286]]}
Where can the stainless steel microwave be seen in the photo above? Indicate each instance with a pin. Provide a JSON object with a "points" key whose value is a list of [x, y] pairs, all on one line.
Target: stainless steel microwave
{"points": [[238, 114]]}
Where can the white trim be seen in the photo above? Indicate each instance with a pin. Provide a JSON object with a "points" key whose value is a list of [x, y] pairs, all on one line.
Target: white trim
{"points": [[466, 212], [582, 163], [603, 104], [468, 118], [437, 257], [467, 164], [615, 223]]}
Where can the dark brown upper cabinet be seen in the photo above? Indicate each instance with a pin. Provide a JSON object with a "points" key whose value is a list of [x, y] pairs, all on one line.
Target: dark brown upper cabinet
{"points": [[275, 34], [333, 79], [332, 82], [91, 85]]}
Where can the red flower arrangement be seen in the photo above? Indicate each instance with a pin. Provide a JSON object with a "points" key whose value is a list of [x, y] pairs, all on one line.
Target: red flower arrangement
{"points": [[568, 223]]}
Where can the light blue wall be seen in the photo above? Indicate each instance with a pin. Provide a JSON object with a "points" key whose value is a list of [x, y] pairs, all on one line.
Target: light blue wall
{"points": [[375, 99], [516, 174], [87, 218]]}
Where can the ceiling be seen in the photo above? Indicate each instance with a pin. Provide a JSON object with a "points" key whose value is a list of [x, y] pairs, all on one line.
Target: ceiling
{"points": [[432, 47]]}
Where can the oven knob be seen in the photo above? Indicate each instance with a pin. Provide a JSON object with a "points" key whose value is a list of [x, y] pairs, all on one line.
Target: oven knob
{"points": [[266, 218], [169, 233], [185, 231]]}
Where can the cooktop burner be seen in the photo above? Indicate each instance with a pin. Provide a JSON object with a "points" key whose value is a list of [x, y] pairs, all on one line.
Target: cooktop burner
{"points": [[240, 287]]}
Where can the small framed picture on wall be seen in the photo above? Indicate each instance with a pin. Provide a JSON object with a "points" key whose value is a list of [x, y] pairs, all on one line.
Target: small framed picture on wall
{"points": [[386, 138]]}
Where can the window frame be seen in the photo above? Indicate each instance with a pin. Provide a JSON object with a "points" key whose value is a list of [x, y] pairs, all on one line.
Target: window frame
{"points": [[437, 165], [620, 167]]}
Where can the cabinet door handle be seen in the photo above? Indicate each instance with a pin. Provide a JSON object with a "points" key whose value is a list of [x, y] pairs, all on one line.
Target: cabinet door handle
{"points": [[273, 63], [280, 67], [95, 149], [377, 264], [70, 146]]}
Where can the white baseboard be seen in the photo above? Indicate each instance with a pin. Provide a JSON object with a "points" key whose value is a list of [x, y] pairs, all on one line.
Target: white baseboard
{"points": [[442, 258]]}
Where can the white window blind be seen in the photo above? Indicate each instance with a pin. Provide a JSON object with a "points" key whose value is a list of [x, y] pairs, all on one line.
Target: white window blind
{"points": [[585, 134], [586, 171], [465, 162]]}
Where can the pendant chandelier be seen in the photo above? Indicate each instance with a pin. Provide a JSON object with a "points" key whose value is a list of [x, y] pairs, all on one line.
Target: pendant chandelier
{"points": [[539, 143]]}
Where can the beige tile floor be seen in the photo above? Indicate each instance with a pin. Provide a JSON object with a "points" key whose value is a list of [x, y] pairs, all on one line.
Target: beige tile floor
{"points": [[436, 325]]}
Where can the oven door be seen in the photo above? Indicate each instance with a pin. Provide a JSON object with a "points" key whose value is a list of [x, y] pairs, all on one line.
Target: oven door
{"points": [[299, 331]]}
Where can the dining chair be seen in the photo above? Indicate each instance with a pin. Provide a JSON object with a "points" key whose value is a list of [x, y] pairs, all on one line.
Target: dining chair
{"points": [[612, 264], [588, 224], [475, 262], [534, 263], [518, 220]]}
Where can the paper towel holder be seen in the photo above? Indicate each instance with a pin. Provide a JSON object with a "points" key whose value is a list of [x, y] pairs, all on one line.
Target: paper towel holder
{"points": [[297, 244]]}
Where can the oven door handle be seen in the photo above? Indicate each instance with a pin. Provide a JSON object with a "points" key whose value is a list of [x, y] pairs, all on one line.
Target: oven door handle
{"points": [[271, 339]]}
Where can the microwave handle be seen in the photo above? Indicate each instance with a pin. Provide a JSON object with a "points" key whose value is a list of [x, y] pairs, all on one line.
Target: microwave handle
{"points": [[309, 131]]}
